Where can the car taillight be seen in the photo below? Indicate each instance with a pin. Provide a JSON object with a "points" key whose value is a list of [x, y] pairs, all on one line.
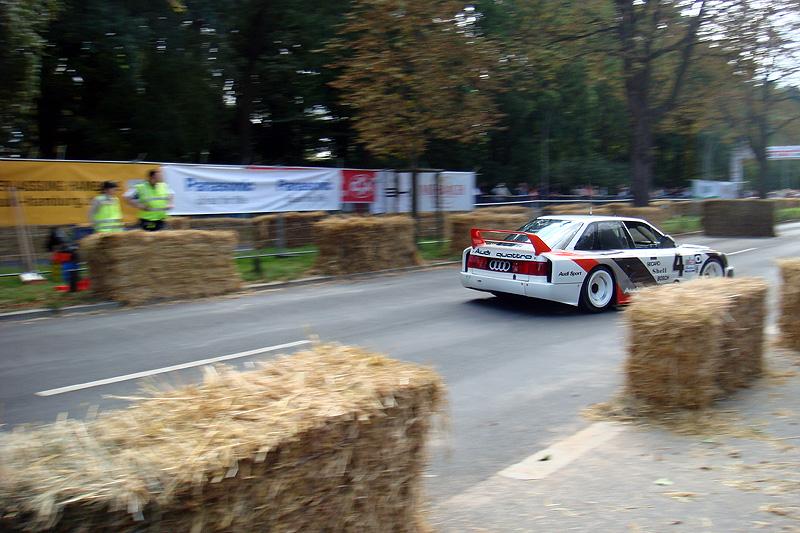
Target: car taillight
{"points": [[476, 261], [530, 268]]}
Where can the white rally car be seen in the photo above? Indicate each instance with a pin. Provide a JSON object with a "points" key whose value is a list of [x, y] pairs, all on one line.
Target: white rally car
{"points": [[583, 260]]}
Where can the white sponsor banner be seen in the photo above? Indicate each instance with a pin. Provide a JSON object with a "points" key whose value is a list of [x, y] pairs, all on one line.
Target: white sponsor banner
{"points": [[455, 192], [231, 190], [716, 189], [783, 152]]}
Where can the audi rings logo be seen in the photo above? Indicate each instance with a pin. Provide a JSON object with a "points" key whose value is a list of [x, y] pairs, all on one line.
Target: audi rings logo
{"points": [[499, 266]]}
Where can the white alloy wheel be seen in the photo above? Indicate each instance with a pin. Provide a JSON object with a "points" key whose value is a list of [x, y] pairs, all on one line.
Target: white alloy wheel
{"points": [[712, 269], [597, 292]]}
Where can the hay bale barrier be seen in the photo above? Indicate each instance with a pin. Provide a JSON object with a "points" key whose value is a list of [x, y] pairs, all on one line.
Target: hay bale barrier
{"points": [[460, 225], [692, 343], [135, 267], [330, 439], [749, 217], [356, 244], [297, 228], [789, 319]]}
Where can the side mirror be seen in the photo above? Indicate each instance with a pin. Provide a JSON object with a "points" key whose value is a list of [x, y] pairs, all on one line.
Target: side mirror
{"points": [[666, 242]]}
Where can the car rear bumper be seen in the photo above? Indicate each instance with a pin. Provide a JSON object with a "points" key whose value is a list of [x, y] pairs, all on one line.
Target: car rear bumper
{"points": [[566, 293]]}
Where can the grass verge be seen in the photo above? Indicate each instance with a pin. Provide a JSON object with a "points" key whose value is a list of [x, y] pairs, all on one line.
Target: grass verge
{"points": [[299, 263]]}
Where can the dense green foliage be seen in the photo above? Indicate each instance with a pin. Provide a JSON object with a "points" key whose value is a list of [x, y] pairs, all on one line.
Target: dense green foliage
{"points": [[547, 93]]}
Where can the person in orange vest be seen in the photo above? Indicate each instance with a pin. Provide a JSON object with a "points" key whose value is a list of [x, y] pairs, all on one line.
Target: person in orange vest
{"points": [[105, 213], [153, 198]]}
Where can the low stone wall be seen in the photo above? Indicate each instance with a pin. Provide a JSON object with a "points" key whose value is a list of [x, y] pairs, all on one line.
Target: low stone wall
{"points": [[692, 343], [331, 439], [135, 267]]}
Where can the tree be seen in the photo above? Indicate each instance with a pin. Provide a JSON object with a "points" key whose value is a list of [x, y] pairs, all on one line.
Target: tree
{"points": [[411, 72], [129, 77], [643, 46], [22, 24], [758, 42]]}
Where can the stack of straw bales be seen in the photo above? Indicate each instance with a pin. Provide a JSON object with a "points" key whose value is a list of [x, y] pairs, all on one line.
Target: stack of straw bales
{"points": [[785, 203], [694, 342], [789, 320], [134, 267], [332, 439], [568, 209], [356, 244], [242, 226], [297, 227], [655, 215], [460, 225], [738, 218], [432, 225]]}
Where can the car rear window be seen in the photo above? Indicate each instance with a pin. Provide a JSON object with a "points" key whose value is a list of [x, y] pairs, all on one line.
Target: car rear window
{"points": [[552, 231]]}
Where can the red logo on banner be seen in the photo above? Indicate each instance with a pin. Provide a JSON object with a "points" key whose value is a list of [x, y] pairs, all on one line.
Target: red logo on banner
{"points": [[357, 186]]}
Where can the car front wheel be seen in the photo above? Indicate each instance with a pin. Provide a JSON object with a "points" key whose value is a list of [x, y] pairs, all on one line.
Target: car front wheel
{"points": [[597, 292], [712, 269]]}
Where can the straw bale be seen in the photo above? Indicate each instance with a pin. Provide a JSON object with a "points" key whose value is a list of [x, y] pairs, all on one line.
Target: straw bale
{"points": [[460, 225], [179, 222], [673, 208], [568, 209], [433, 225], [297, 227], [330, 439], [694, 342], [242, 226], [655, 215], [354, 244], [749, 217], [508, 210], [789, 319], [785, 203], [134, 267]]}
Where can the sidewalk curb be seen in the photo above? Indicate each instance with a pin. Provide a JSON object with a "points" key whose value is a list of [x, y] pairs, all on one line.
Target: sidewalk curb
{"points": [[103, 306], [46, 313]]}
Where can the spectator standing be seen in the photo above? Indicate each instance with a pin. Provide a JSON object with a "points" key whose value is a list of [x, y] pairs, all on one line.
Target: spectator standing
{"points": [[105, 213], [153, 198], [501, 192]]}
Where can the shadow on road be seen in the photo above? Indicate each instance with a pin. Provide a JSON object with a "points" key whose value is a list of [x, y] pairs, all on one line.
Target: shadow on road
{"points": [[521, 305]]}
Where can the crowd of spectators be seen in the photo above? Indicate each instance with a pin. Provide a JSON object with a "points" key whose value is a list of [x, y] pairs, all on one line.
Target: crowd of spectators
{"points": [[524, 192]]}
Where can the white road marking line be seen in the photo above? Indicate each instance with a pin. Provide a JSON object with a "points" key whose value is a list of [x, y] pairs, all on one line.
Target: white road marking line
{"points": [[137, 375], [742, 251], [545, 462]]}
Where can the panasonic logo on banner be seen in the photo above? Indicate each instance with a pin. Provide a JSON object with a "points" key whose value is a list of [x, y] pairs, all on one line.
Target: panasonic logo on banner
{"points": [[304, 185], [196, 185]]}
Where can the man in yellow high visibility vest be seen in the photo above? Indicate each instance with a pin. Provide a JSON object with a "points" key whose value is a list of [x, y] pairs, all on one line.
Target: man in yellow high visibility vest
{"points": [[104, 211], [153, 198]]}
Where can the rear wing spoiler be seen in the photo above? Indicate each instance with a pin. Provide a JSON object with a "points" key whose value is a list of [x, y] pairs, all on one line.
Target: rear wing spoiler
{"points": [[478, 240]]}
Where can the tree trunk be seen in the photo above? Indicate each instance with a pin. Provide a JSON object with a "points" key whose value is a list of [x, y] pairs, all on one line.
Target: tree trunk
{"points": [[642, 162], [763, 173], [245, 106]]}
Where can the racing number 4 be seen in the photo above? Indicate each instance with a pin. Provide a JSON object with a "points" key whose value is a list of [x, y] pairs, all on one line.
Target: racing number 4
{"points": [[678, 264]]}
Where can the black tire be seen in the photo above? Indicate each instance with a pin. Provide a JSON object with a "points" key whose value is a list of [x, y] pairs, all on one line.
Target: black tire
{"points": [[598, 291], [712, 268]]}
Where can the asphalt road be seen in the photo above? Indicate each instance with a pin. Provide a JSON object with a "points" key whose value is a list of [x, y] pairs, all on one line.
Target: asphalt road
{"points": [[518, 373]]}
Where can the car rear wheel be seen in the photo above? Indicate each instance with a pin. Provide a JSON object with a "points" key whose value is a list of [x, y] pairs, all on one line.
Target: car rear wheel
{"points": [[712, 268], [597, 292]]}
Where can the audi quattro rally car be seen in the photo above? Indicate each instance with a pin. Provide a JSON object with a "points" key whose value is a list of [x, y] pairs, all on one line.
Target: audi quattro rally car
{"points": [[583, 260]]}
